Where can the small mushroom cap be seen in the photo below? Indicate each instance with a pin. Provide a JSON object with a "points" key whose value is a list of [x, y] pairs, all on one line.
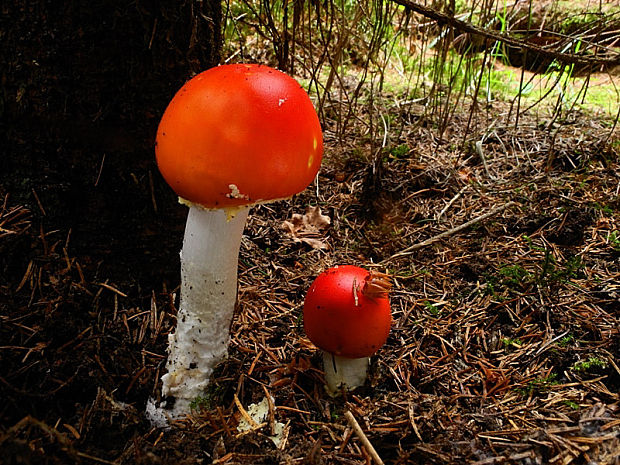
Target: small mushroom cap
{"points": [[341, 319], [239, 134]]}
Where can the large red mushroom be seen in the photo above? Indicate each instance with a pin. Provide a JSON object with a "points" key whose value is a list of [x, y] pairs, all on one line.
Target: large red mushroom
{"points": [[347, 315], [233, 136]]}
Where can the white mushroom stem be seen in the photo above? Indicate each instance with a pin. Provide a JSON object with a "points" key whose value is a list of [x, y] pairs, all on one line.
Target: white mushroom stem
{"points": [[348, 372], [209, 260]]}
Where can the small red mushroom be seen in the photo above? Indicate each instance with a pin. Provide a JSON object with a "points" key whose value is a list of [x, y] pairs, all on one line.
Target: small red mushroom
{"points": [[347, 315]]}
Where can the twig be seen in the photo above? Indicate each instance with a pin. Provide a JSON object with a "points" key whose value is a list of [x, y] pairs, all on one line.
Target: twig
{"points": [[548, 343], [95, 459], [245, 414], [36, 197], [112, 288], [452, 200], [100, 170], [480, 152], [419, 245], [464, 26], [362, 437]]}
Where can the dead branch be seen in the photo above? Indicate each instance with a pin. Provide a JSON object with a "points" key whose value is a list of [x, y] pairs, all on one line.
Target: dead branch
{"points": [[419, 245], [362, 437], [464, 26]]}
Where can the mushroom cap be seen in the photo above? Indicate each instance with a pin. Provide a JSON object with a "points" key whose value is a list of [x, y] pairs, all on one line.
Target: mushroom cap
{"points": [[239, 134], [340, 319]]}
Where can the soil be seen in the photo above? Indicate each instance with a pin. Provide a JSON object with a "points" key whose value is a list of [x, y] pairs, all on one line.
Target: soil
{"points": [[505, 340]]}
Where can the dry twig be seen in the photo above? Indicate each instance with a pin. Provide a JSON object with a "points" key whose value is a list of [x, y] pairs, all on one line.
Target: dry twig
{"points": [[362, 437], [419, 245]]}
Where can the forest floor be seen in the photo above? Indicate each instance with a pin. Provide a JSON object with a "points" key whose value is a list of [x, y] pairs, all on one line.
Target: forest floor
{"points": [[505, 337], [506, 332]]}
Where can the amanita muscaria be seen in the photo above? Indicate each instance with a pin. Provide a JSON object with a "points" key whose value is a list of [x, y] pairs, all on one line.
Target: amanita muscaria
{"points": [[347, 315], [233, 136]]}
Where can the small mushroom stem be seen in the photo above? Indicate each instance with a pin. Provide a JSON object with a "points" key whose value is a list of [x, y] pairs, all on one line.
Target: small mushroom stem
{"points": [[209, 261], [348, 372]]}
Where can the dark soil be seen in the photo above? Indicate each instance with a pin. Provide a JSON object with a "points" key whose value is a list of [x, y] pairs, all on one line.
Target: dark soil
{"points": [[505, 340]]}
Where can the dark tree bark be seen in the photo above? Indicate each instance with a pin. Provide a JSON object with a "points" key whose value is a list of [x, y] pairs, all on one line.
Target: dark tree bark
{"points": [[83, 85], [99, 61]]}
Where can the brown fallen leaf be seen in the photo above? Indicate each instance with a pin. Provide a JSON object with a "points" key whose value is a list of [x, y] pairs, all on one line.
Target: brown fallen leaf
{"points": [[307, 228]]}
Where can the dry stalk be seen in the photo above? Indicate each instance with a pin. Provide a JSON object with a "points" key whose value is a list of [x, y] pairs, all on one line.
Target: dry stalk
{"points": [[362, 437], [413, 248]]}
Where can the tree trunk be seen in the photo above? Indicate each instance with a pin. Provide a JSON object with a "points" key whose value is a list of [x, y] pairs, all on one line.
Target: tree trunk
{"points": [[84, 84]]}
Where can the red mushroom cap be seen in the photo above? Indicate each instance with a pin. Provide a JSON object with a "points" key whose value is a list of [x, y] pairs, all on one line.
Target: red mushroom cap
{"points": [[239, 134], [347, 311]]}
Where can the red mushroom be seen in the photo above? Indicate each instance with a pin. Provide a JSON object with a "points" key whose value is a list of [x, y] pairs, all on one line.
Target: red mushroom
{"points": [[347, 315], [237, 135], [231, 137]]}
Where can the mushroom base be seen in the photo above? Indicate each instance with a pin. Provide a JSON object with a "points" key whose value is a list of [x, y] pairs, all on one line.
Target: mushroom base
{"points": [[349, 373], [209, 261]]}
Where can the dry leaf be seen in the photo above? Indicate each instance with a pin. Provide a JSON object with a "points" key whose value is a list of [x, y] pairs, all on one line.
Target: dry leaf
{"points": [[307, 228], [464, 174]]}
